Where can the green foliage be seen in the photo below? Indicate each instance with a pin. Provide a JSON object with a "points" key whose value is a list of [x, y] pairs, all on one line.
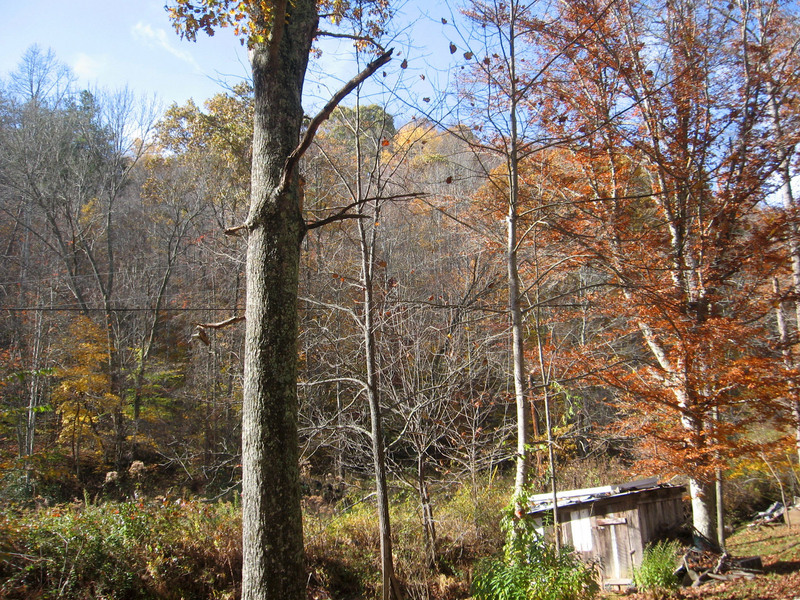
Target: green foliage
{"points": [[657, 571], [532, 569], [372, 122], [162, 549]]}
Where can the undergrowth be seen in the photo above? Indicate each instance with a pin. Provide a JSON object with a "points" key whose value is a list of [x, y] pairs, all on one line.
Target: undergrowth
{"points": [[656, 574], [532, 569], [169, 549], [174, 548], [343, 546]]}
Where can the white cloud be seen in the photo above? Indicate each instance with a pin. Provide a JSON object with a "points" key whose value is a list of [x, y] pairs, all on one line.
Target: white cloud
{"points": [[159, 38], [88, 67]]}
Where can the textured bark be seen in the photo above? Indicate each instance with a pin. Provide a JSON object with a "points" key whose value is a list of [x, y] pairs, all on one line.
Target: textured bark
{"points": [[272, 536], [271, 517]]}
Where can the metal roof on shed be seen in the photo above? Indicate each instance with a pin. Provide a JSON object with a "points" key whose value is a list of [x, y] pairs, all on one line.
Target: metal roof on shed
{"points": [[544, 502]]}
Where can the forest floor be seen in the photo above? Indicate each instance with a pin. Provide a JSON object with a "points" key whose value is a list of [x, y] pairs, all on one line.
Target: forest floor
{"points": [[779, 549]]}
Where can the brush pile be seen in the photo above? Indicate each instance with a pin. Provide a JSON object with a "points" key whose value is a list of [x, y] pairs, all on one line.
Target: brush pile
{"points": [[703, 566]]}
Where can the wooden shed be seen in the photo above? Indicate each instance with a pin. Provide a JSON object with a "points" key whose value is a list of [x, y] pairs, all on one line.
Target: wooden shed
{"points": [[612, 525]]}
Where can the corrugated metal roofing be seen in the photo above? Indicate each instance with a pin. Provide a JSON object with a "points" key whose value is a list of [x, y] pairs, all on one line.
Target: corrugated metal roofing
{"points": [[544, 502]]}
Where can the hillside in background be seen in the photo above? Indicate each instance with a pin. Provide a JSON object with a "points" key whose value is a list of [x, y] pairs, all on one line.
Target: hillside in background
{"points": [[588, 271]]}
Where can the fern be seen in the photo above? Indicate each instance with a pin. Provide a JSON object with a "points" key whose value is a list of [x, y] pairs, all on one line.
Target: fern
{"points": [[657, 571]]}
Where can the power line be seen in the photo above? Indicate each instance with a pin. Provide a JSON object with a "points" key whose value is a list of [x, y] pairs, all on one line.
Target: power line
{"points": [[122, 272], [96, 309]]}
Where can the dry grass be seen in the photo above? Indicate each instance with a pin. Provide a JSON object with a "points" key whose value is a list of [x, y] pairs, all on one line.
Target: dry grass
{"points": [[779, 548]]}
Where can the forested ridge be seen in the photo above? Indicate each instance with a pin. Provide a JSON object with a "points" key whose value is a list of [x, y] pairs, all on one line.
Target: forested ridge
{"points": [[591, 273]]}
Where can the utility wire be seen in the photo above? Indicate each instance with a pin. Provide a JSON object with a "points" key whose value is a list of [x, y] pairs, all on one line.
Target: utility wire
{"points": [[93, 309]]}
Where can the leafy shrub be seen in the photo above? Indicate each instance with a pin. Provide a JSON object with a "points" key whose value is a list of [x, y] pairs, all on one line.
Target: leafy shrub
{"points": [[657, 571], [160, 549], [171, 548], [531, 569]]}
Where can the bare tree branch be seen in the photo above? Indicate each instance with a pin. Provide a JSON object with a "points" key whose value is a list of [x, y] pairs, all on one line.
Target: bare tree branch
{"points": [[294, 158], [200, 328], [350, 36], [342, 213]]}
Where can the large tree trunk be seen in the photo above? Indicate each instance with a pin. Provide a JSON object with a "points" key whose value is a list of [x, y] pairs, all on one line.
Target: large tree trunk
{"points": [[273, 558], [271, 516], [702, 492], [701, 489], [703, 511]]}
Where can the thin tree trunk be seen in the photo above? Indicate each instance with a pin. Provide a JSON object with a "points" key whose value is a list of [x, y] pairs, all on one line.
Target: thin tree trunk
{"points": [[545, 375], [719, 498], [390, 588], [719, 492], [793, 243], [428, 524], [552, 461], [147, 340], [793, 399], [515, 311], [34, 399], [518, 358]]}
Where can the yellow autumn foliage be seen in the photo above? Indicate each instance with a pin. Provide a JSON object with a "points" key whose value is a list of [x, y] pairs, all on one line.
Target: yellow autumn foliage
{"points": [[83, 394]]}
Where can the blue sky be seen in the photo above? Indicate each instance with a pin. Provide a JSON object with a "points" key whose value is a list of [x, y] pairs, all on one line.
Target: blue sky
{"points": [[114, 43]]}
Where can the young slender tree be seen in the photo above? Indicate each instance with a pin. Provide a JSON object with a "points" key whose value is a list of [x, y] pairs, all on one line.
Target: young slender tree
{"points": [[357, 138], [500, 77]]}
